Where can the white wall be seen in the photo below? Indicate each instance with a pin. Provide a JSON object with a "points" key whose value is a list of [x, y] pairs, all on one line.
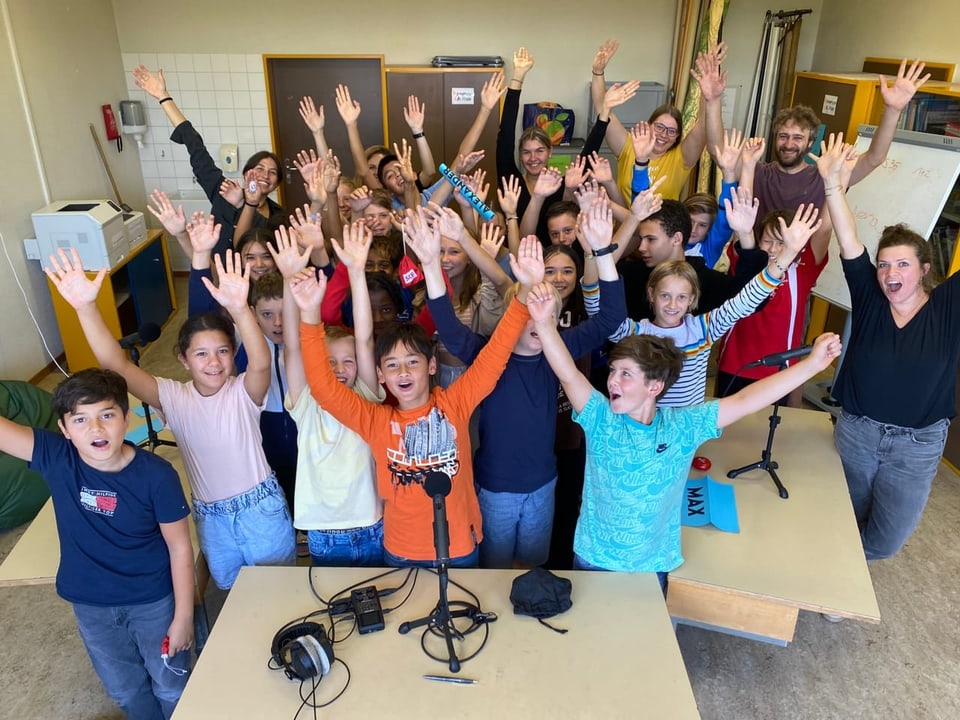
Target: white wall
{"points": [[855, 29], [69, 57]]}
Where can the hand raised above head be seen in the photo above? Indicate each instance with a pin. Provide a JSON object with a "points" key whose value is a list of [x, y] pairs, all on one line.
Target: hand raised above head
{"points": [[741, 210], [67, 275], [162, 209], [596, 225], [492, 90], [491, 239], [422, 235], [356, 246], [232, 192], [606, 51], [287, 256], [234, 286], [522, 63], [527, 265], [643, 139], [905, 85], [752, 151], [203, 231], [348, 108], [307, 288], [151, 83], [548, 182], [542, 304], [312, 117], [414, 113], [307, 227], [509, 195], [648, 202], [806, 221]]}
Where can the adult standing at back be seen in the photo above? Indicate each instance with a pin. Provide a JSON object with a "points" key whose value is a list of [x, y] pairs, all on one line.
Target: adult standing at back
{"points": [[787, 180], [673, 155], [898, 381]]}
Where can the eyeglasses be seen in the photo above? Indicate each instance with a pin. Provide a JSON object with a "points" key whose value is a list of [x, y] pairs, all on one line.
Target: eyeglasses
{"points": [[664, 130]]}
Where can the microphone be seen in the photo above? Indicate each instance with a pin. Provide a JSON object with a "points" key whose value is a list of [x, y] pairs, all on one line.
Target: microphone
{"points": [[437, 485], [147, 333], [780, 358]]}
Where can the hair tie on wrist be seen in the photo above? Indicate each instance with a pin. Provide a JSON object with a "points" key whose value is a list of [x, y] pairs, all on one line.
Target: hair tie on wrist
{"points": [[163, 100], [781, 268], [250, 204], [597, 73]]}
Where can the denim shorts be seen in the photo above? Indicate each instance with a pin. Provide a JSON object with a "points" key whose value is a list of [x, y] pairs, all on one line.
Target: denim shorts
{"points": [[354, 547], [124, 646], [516, 526], [889, 471], [253, 528]]}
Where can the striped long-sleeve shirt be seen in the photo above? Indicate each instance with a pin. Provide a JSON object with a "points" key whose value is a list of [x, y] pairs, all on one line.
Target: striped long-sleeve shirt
{"points": [[694, 336]]}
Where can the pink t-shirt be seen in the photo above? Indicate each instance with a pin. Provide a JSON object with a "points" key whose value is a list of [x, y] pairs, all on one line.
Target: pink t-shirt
{"points": [[219, 437]]}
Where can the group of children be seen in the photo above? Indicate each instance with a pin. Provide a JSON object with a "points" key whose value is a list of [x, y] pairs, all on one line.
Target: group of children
{"points": [[313, 383]]}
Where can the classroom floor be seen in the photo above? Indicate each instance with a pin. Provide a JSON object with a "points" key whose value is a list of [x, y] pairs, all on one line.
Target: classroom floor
{"points": [[906, 667]]}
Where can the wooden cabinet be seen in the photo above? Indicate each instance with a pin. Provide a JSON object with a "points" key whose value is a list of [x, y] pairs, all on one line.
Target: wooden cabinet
{"points": [[136, 291], [452, 98]]}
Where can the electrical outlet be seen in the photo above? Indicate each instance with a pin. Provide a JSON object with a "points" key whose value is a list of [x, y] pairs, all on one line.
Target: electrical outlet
{"points": [[32, 248]]}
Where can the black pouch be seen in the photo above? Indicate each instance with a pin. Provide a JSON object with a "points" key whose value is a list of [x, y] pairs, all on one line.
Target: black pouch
{"points": [[541, 594]]}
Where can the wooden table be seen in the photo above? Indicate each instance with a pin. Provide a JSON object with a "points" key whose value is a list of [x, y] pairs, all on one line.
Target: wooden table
{"points": [[619, 659], [803, 553]]}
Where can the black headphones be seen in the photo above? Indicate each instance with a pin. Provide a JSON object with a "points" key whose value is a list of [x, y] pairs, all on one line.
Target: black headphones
{"points": [[302, 651]]}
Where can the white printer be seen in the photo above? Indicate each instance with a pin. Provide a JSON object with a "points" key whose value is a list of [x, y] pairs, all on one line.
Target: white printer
{"points": [[100, 230]]}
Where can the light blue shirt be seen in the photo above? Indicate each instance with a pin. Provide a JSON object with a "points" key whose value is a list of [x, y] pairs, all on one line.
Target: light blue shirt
{"points": [[633, 484]]}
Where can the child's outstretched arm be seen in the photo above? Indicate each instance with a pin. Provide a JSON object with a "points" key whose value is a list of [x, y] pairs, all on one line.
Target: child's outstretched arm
{"points": [[764, 392], [66, 273], [353, 254], [290, 262], [314, 120], [541, 304], [231, 294]]}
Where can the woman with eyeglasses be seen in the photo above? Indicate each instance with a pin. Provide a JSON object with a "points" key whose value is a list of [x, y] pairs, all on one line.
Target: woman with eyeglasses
{"points": [[671, 154]]}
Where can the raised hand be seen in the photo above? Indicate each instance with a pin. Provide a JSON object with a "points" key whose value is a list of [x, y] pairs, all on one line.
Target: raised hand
{"points": [[604, 53], [306, 162], [234, 285], [826, 349], [596, 225], [509, 195], [576, 174], [413, 114], [648, 202], [752, 151], [618, 93], [447, 222], [307, 288], [492, 90], [315, 188], [348, 108], [356, 246], [600, 168], [404, 153], [548, 182], [312, 117], [728, 154], [203, 233], [151, 83], [741, 210], [707, 73], [171, 218], [232, 192], [252, 191], [465, 164], [287, 256], [477, 182], [836, 160], [527, 266], [542, 304], [522, 63], [423, 237], [907, 82], [307, 226], [643, 139], [67, 275], [331, 173], [491, 239], [806, 221], [359, 199], [588, 194]]}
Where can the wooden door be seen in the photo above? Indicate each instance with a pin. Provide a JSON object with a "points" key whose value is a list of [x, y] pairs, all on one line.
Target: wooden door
{"points": [[289, 78], [459, 114], [427, 85]]}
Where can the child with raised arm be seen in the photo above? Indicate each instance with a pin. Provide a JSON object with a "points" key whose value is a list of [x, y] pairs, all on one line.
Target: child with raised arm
{"points": [[428, 430], [125, 548], [515, 466], [673, 291], [238, 506], [336, 499], [638, 454]]}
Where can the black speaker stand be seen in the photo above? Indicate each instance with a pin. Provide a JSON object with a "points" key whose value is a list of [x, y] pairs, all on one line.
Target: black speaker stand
{"points": [[766, 462]]}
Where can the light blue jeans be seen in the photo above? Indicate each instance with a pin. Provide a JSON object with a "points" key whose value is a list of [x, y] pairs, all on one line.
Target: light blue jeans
{"points": [[516, 526], [124, 646], [889, 471], [356, 547], [249, 529]]}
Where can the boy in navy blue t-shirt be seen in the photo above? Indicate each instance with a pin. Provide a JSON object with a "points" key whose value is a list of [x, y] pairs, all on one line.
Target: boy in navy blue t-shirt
{"points": [[126, 560]]}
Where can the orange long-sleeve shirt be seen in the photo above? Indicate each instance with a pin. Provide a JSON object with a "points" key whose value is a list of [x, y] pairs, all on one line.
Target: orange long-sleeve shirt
{"points": [[406, 444]]}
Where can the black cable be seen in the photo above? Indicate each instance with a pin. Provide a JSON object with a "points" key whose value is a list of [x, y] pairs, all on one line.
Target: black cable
{"points": [[315, 683], [416, 573]]}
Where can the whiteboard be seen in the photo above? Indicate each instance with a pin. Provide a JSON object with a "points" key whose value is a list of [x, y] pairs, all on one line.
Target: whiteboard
{"points": [[911, 187]]}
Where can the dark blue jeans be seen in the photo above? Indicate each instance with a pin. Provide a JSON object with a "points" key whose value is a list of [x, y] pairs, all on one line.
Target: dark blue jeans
{"points": [[471, 560], [124, 646]]}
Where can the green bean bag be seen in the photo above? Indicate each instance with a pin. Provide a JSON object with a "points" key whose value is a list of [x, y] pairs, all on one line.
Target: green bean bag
{"points": [[23, 491]]}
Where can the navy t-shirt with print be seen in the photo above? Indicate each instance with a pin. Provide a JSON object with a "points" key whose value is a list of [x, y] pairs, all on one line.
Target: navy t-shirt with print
{"points": [[111, 550]]}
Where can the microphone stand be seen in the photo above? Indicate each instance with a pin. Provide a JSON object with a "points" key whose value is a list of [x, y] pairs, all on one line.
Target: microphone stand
{"points": [[153, 440], [765, 462], [440, 621]]}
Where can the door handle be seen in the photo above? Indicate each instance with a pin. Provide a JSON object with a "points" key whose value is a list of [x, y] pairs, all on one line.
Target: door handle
{"points": [[288, 169]]}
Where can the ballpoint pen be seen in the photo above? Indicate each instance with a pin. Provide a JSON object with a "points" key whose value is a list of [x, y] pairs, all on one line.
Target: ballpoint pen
{"points": [[450, 679]]}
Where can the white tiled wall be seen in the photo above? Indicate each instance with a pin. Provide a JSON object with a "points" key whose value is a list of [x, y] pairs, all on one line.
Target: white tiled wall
{"points": [[225, 98]]}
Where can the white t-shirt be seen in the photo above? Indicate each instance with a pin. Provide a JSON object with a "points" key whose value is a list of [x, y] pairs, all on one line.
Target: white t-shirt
{"points": [[336, 475]]}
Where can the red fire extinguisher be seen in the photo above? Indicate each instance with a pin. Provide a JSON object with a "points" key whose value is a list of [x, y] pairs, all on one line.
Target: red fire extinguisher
{"points": [[110, 122]]}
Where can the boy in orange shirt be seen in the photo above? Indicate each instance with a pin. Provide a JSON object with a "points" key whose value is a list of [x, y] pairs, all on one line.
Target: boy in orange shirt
{"points": [[428, 430]]}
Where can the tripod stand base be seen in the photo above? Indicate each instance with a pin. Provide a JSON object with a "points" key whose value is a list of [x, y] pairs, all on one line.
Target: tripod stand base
{"points": [[769, 467]]}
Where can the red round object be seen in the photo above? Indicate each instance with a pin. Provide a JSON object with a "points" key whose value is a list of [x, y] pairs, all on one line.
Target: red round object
{"points": [[702, 463]]}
